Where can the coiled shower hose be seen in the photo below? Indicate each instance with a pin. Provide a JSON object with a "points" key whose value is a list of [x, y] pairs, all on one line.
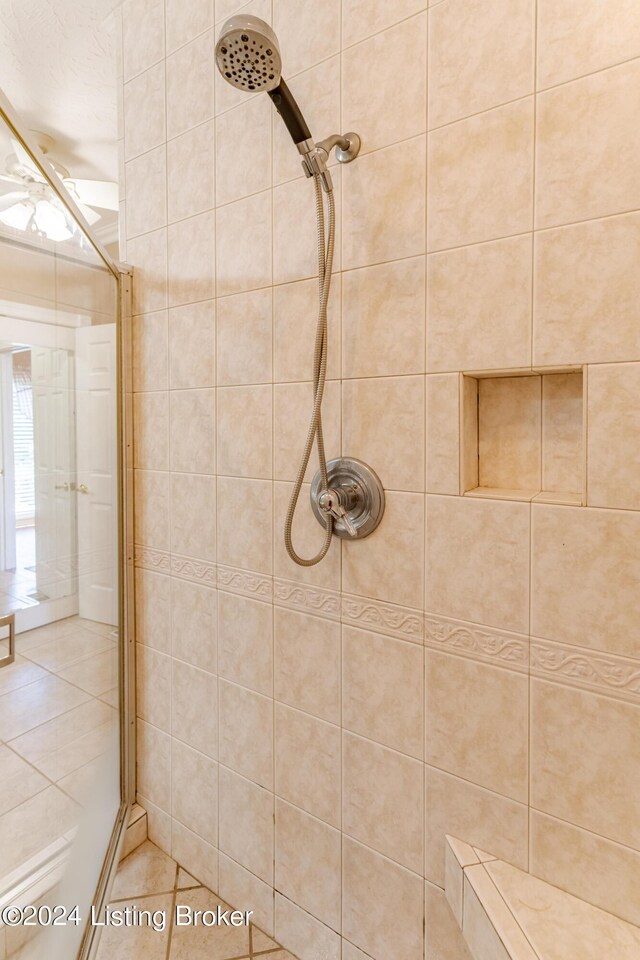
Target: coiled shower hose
{"points": [[325, 266]]}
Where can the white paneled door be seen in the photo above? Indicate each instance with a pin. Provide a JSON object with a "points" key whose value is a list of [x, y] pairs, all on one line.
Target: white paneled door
{"points": [[97, 472]]}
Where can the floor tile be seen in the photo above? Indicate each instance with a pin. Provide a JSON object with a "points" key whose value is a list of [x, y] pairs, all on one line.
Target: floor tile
{"points": [[146, 870], [136, 943], [19, 674], [96, 674], [32, 826], [207, 943], [18, 780], [62, 651], [29, 706]]}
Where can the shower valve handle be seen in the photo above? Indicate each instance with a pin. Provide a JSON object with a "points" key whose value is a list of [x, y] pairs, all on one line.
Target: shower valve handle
{"points": [[332, 501]]}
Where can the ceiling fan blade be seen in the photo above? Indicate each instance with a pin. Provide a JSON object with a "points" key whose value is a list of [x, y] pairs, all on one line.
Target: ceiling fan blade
{"points": [[97, 193], [25, 159], [10, 199], [91, 216]]}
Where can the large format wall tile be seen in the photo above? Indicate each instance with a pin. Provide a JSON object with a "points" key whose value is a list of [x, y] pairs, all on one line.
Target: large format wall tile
{"points": [[194, 791], [190, 172], [246, 824], [585, 577], [307, 664], [192, 345], [576, 38], [308, 863], [486, 742], [479, 57], [584, 273], [194, 713], [383, 205], [246, 732], [602, 136], [361, 18], [244, 431], [479, 306], [244, 523], [584, 751], [393, 107], [143, 36], [186, 20], [371, 345], [243, 246], [245, 334], [374, 668], [392, 566], [365, 874], [462, 809], [478, 561], [191, 246], [613, 414], [377, 416], [245, 642], [193, 431], [193, 623], [295, 317], [307, 763], [243, 151], [383, 800], [295, 247], [144, 112], [190, 85], [481, 177], [307, 35], [564, 855], [443, 433]]}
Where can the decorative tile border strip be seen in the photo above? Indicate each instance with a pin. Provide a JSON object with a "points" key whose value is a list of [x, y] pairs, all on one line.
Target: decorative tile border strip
{"points": [[604, 673], [199, 571], [477, 642], [152, 559], [388, 618], [310, 599], [256, 585]]}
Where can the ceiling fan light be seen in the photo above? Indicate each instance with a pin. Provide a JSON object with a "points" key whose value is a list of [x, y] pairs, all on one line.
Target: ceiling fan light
{"points": [[51, 221], [17, 216]]}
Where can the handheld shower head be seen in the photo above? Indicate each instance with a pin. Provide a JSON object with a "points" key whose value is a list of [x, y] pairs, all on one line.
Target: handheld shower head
{"points": [[248, 57]]}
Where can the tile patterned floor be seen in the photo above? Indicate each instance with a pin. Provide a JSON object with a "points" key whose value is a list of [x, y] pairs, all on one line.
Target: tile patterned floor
{"points": [[56, 719], [151, 880]]}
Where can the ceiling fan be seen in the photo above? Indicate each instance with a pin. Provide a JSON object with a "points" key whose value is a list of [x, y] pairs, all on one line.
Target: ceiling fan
{"points": [[34, 207]]}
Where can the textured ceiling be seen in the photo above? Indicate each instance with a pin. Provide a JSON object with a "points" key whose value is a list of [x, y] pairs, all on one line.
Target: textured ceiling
{"points": [[57, 67]]}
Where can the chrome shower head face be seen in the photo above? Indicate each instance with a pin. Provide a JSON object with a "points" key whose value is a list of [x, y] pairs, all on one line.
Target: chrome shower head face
{"points": [[248, 55]]}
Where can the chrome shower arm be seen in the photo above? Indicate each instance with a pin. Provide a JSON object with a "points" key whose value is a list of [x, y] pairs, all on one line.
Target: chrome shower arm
{"points": [[347, 146]]}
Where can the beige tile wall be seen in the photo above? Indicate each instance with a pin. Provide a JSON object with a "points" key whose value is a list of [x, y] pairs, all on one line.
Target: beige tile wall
{"points": [[308, 736]]}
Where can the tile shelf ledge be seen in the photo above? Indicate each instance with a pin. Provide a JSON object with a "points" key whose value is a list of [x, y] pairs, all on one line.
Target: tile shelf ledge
{"points": [[507, 914], [565, 497]]}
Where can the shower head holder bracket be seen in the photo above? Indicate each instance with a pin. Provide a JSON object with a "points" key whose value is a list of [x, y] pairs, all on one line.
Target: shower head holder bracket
{"points": [[315, 156]]}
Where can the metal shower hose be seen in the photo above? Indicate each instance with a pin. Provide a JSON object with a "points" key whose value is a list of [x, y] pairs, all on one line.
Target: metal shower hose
{"points": [[325, 266]]}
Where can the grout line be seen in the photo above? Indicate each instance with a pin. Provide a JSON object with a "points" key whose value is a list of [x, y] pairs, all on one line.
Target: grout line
{"points": [[542, 421], [173, 910]]}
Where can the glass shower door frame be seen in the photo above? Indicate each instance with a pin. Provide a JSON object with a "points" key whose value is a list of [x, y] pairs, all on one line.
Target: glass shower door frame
{"points": [[123, 276]]}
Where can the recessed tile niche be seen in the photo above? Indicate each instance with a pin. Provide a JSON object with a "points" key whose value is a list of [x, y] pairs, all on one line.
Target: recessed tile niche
{"points": [[523, 436]]}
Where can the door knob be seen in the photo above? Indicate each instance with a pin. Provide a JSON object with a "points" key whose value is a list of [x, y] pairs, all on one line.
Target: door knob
{"points": [[63, 486], [83, 488]]}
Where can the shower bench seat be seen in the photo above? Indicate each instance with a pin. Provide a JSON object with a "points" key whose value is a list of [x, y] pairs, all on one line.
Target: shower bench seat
{"points": [[507, 914]]}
